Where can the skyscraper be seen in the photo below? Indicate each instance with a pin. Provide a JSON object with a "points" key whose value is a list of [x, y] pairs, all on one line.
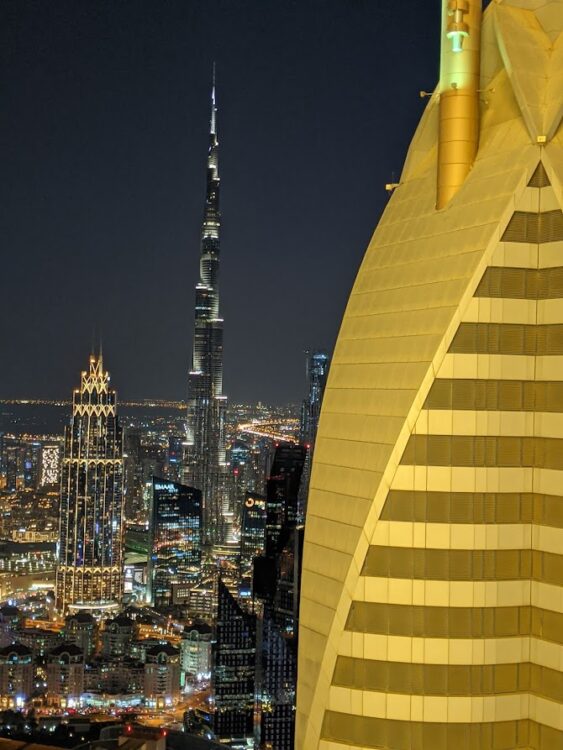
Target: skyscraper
{"points": [[175, 546], [431, 611], [234, 671], [277, 681], [132, 474], [276, 584], [90, 553], [252, 538], [204, 462], [317, 372], [282, 491]]}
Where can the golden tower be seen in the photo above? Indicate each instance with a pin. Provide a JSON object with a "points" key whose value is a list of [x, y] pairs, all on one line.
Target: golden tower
{"points": [[90, 548], [432, 592]]}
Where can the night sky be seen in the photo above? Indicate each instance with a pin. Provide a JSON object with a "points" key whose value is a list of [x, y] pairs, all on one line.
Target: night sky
{"points": [[104, 111]]}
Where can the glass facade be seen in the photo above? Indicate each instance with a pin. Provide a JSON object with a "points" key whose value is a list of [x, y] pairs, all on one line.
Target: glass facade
{"points": [[234, 670], [175, 548]]}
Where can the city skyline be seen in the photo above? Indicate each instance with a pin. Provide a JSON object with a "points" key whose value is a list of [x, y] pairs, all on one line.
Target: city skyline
{"points": [[105, 143], [343, 529]]}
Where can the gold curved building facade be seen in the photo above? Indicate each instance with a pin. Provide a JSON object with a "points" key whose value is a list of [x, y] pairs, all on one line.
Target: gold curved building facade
{"points": [[432, 590]]}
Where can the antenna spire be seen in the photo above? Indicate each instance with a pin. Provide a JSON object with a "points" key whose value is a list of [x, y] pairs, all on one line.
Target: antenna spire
{"points": [[459, 99], [213, 105]]}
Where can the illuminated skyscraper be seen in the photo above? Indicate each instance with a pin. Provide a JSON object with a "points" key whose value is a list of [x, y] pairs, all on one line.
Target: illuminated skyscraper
{"points": [[50, 464], [175, 541], [317, 371], [252, 538], [204, 462], [90, 554], [431, 602], [20, 462]]}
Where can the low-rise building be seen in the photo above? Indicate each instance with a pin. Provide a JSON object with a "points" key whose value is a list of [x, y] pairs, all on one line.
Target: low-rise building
{"points": [[117, 636], [195, 649], [65, 675], [16, 675], [40, 640], [121, 676], [202, 600], [80, 629], [10, 619], [162, 676]]}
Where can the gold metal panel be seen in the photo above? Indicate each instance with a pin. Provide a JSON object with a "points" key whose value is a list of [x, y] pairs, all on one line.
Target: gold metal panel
{"points": [[415, 281], [495, 395], [547, 567], [483, 450], [472, 507], [545, 738], [461, 564], [521, 283], [448, 679], [365, 731], [508, 338], [539, 179], [454, 622], [514, 283], [534, 228], [548, 510]]}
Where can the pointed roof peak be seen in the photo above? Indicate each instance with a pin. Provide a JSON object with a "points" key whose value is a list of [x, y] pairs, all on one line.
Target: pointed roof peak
{"points": [[97, 361]]}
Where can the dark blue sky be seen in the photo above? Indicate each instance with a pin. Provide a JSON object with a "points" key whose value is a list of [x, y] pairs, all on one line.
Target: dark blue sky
{"points": [[104, 108]]}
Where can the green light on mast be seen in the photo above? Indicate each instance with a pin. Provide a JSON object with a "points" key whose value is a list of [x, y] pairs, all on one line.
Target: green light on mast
{"points": [[457, 38], [457, 29]]}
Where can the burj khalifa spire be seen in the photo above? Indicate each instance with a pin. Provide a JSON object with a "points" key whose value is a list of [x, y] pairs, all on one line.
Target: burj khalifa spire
{"points": [[204, 460]]}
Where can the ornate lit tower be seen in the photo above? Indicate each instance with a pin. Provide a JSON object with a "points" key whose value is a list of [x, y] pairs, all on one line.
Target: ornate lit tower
{"points": [[432, 586], [204, 463], [90, 554]]}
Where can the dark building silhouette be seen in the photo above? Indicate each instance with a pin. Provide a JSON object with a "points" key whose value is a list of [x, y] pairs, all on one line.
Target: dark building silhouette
{"points": [[174, 457], [133, 472], [276, 591], [282, 492], [234, 669]]}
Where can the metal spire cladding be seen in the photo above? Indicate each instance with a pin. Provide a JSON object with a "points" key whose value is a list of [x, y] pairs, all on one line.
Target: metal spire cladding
{"points": [[204, 464]]}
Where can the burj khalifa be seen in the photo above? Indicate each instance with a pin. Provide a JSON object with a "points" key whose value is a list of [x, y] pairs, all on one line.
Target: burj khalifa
{"points": [[204, 458]]}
